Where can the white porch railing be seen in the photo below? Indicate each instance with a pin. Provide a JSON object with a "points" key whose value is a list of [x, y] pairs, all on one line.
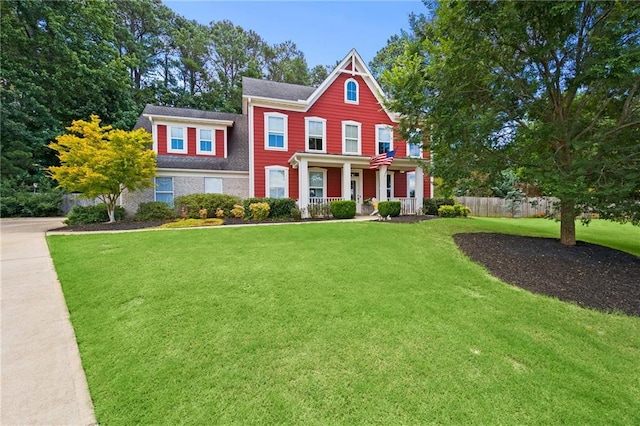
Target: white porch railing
{"points": [[408, 206], [321, 206]]}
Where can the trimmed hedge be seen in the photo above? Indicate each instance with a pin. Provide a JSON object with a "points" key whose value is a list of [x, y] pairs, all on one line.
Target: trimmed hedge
{"points": [[430, 206], [343, 209], [28, 204], [82, 215], [457, 210], [193, 203], [154, 210], [389, 208], [279, 208]]}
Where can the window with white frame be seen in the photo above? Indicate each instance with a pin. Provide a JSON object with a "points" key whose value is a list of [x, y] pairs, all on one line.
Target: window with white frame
{"points": [[411, 184], [177, 142], [276, 182], [316, 129], [275, 129], [317, 183], [384, 138], [164, 190], [351, 91], [389, 185], [351, 132], [213, 185], [415, 150], [206, 143]]}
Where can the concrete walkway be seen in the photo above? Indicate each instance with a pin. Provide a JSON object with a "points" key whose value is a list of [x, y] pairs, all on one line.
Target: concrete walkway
{"points": [[42, 380]]}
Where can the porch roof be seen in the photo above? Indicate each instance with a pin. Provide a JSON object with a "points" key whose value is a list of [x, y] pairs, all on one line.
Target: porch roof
{"points": [[357, 161]]}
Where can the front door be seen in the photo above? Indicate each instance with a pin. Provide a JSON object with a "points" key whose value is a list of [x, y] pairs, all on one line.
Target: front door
{"points": [[356, 190]]}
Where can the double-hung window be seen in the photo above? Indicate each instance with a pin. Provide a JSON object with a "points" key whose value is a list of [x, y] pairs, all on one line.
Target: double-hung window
{"points": [[317, 183], [384, 138], [276, 182], [275, 129], [206, 143], [415, 151], [351, 91], [164, 190], [316, 129], [177, 143], [351, 137]]}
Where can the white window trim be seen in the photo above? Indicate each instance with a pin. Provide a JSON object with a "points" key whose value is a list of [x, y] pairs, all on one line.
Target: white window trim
{"points": [[266, 131], [391, 176], [324, 134], [213, 141], [155, 188], [344, 137], [185, 139], [324, 180], [409, 151], [347, 101], [267, 185], [213, 177], [383, 126]]}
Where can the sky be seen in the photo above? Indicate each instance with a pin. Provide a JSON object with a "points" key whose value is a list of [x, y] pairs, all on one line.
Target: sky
{"points": [[325, 31]]}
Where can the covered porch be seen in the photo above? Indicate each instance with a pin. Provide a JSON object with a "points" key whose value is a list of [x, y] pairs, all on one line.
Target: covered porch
{"points": [[322, 178]]}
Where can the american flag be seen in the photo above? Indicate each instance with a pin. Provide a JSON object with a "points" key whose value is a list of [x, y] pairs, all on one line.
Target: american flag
{"points": [[384, 159]]}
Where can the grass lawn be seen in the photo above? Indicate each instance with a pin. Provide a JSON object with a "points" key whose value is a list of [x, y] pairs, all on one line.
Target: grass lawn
{"points": [[339, 323]]}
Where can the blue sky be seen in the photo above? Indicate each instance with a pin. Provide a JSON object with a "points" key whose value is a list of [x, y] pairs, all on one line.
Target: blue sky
{"points": [[324, 30]]}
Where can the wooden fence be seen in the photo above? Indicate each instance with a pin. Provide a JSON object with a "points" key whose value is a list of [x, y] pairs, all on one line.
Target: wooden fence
{"points": [[499, 207]]}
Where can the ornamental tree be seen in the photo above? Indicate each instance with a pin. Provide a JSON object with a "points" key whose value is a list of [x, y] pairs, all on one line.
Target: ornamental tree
{"points": [[549, 88], [101, 162]]}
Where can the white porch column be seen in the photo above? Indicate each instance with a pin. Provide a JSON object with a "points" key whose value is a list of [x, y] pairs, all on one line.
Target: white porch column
{"points": [[419, 187], [346, 181], [382, 188], [303, 187]]}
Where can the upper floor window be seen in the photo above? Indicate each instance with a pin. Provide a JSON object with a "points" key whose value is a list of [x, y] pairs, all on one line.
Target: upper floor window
{"points": [[275, 129], [177, 142], [351, 137], [206, 143], [351, 91], [384, 138], [415, 150], [316, 129]]}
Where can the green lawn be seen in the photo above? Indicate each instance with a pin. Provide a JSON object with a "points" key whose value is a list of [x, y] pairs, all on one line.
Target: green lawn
{"points": [[339, 323]]}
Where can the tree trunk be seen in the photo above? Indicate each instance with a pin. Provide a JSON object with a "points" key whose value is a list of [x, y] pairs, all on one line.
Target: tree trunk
{"points": [[567, 223], [112, 213]]}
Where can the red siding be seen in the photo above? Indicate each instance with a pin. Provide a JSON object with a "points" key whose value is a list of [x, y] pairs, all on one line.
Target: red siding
{"points": [[334, 182], [220, 143], [369, 183], [400, 184], [191, 141], [162, 139]]}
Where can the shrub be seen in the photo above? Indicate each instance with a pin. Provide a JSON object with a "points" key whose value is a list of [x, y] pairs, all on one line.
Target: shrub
{"points": [[81, 215], [279, 208], [154, 210], [203, 213], [28, 204], [345, 209], [430, 206], [259, 211], [237, 211], [193, 203], [219, 213], [296, 213], [319, 210], [389, 208], [457, 210]]}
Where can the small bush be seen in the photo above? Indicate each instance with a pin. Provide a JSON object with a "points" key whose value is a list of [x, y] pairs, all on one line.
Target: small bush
{"points": [[154, 210], [193, 203], [237, 211], [430, 206], [279, 208], [259, 211], [219, 213], [389, 208], [319, 210], [296, 213], [203, 213], [457, 210], [82, 215], [345, 209]]}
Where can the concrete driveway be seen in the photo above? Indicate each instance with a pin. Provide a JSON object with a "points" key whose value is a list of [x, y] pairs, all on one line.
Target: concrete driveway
{"points": [[43, 382]]}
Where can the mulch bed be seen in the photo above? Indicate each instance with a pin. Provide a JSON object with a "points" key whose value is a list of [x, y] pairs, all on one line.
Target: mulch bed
{"points": [[589, 275]]}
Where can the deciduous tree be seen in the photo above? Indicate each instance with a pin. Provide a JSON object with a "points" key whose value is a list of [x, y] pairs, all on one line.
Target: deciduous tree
{"points": [[101, 162]]}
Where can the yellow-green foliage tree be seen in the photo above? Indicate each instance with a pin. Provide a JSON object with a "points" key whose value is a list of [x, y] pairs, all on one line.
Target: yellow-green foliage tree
{"points": [[101, 162]]}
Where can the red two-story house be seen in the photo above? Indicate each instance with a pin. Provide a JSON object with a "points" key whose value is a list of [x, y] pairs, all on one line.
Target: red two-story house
{"points": [[310, 144]]}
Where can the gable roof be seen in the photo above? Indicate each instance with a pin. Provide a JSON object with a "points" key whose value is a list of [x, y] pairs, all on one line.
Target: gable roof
{"points": [[254, 87]]}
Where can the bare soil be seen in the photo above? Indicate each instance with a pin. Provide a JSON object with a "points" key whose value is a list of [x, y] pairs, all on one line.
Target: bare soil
{"points": [[589, 275]]}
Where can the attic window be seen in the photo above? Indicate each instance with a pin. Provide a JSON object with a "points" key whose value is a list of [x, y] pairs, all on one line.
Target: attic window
{"points": [[351, 91]]}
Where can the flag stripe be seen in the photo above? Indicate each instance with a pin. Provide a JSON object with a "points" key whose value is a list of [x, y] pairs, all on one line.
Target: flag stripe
{"points": [[384, 159]]}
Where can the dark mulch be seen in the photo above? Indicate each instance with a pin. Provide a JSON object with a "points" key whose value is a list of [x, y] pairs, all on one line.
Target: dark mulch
{"points": [[590, 275]]}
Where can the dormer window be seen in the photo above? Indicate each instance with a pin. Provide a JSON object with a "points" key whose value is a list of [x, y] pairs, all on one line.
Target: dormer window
{"points": [[351, 91]]}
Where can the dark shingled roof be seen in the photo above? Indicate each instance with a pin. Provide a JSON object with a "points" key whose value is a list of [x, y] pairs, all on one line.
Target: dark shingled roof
{"points": [[237, 142], [275, 90]]}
